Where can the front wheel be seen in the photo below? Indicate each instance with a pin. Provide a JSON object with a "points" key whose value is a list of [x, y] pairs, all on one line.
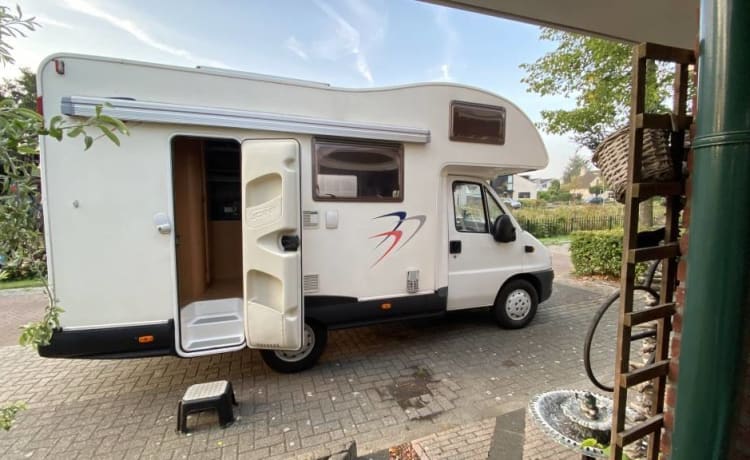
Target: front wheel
{"points": [[314, 339], [516, 304]]}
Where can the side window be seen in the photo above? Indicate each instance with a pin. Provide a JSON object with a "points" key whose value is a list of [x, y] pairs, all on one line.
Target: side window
{"points": [[348, 170], [480, 123], [468, 203], [493, 209]]}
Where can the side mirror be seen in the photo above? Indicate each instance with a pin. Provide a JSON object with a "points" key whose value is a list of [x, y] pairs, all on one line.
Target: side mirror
{"points": [[503, 230]]}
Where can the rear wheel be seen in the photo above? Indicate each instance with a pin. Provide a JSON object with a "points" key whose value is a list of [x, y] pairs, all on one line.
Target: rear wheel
{"points": [[314, 339], [516, 304]]}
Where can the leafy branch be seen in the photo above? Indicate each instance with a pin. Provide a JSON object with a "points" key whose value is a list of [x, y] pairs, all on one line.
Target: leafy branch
{"points": [[591, 442], [106, 124], [596, 74], [13, 24]]}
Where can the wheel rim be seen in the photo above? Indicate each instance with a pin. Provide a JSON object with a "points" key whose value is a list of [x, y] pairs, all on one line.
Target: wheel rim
{"points": [[308, 343], [518, 304]]}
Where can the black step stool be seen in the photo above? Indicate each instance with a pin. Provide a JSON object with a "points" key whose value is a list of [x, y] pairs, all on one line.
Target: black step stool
{"points": [[217, 396]]}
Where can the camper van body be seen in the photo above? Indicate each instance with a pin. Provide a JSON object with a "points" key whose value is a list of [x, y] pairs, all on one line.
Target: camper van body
{"points": [[242, 207]]}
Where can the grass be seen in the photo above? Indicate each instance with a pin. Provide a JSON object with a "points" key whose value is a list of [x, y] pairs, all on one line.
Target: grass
{"points": [[555, 240], [18, 284]]}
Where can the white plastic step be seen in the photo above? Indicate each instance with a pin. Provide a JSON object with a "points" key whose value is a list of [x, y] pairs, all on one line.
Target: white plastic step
{"points": [[212, 324]]}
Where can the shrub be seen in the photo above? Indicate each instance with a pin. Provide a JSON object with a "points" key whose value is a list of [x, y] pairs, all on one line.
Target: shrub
{"points": [[554, 196], [597, 252], [532, 203]]}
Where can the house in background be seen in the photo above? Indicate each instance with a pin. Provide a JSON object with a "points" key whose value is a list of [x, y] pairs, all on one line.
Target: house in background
{"points": [[542, 185], [581, 185], [525, 188], [516, 186]]}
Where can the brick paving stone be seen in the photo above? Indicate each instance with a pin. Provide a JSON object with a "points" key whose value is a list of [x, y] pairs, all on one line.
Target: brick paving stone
{"points": [[19, 306], [539, 446], [126, 408]]}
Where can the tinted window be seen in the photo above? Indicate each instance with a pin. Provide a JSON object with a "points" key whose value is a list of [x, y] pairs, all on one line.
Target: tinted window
{"points": [[477, 123], [357, 171]]}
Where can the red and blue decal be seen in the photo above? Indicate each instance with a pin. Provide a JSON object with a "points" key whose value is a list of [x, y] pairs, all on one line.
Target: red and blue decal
{"points": [[396, 234]]}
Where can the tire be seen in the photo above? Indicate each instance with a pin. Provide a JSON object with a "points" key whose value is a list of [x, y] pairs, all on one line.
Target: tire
{"points": [[516, 304], [314, 340]]}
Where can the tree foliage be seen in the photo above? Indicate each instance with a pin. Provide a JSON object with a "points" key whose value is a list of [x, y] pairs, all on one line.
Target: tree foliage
{"points": [[596, 74], [596, 190], [576, 166], [13, 24], [21, 91]]}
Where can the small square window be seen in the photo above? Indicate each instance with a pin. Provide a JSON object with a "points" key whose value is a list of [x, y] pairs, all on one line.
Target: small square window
{"points": [[484, 124]]}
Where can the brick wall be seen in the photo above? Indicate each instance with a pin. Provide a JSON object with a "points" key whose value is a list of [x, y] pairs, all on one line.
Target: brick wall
{"points": [[670, 400]]}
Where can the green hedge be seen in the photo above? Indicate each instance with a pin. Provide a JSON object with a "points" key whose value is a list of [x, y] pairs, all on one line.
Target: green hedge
{"points": [[597, 252]]}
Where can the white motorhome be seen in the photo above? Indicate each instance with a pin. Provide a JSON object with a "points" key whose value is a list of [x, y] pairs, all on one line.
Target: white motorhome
{"points": [[252, 211]]}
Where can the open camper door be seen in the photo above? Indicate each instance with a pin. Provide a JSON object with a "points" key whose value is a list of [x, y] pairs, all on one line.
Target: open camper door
{"points": [[271, 255]]}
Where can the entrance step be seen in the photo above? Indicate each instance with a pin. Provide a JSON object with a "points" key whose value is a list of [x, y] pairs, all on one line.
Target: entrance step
{"points": [[212, 324]]}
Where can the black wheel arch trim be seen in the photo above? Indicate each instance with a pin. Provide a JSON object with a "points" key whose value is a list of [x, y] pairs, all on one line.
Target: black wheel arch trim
{"points": [[541, 280]]}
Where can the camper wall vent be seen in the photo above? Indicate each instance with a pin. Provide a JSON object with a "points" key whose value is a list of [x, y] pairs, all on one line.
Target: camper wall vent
{"points": [[310, 219], [412, 281], [310, 283]]}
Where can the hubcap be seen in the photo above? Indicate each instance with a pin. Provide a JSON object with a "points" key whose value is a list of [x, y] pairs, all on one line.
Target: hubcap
{"points": [[308, 342], [518, 304]]}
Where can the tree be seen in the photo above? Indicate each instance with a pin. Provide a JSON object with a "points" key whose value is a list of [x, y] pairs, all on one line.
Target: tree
{"points": [[577, 165], [21, 240], [22, 90], [596, 190], [596, 74], [554, 186]]}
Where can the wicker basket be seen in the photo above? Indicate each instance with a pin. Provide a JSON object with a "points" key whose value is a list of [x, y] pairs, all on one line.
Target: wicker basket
{"points": [[611, 157]]}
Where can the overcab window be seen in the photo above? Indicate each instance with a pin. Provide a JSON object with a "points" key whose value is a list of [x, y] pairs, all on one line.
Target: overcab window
{"points": [[348, 170], [484, 124]]}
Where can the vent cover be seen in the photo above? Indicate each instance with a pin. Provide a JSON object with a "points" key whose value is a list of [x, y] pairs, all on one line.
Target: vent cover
{"points": [[310, 283], [412, 281], [310, 219]]}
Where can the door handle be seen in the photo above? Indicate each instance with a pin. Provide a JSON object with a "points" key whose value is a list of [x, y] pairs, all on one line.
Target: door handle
{"points": [[455, 247], [162, 223], [290, 243]]}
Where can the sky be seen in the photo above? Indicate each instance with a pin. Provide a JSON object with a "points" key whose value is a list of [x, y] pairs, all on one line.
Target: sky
{"points": [[349, 43]]}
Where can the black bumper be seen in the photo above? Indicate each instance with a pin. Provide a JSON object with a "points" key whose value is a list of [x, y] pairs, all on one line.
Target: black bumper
{"points": [[544, 283], [112, 343]]}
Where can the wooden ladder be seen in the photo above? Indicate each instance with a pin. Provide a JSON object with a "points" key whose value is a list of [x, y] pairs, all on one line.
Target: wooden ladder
{"points": [[637, 191]]}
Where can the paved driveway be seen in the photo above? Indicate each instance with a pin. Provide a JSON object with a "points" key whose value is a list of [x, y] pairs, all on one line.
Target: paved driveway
{"points": [[19, 307], [379, 385]]}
